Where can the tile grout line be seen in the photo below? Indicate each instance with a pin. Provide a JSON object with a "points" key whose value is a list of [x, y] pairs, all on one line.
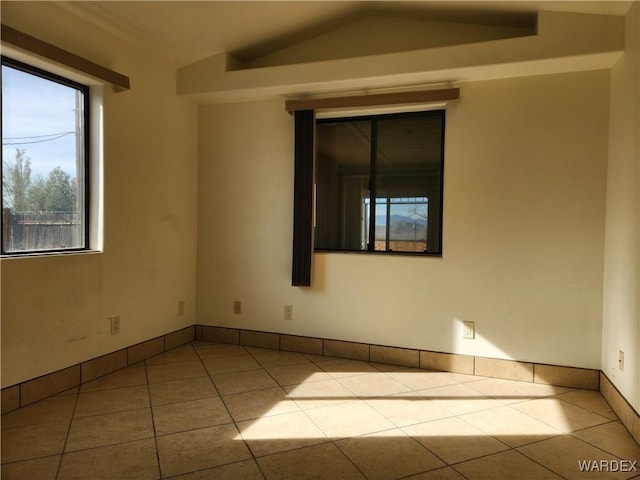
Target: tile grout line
{"points": [[66, 438], [402, 429], [233, 420], [329, 439], [509, 447], [153, 422], [571, 434], [537, 462], [561, 433], [396, 427], [589, 409]]}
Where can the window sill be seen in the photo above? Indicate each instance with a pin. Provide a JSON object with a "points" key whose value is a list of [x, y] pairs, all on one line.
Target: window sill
{"points": [[10, 256], [380, 252]]}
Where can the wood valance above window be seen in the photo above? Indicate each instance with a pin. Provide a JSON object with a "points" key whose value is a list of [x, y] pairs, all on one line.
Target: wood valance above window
{"points": [[63, 57], [374, 100]]}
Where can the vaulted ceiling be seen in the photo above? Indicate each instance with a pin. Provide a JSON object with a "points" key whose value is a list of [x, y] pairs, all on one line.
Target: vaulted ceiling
{"points": [[242, 50], [187, 31]]}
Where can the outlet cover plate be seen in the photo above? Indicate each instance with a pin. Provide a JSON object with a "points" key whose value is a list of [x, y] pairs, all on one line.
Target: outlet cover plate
{"points": [[468, 330], [288, 312], [115, 325]]}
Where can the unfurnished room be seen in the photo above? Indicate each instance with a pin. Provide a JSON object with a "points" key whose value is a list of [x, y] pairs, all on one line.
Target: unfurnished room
{"points": [[320, 240]]}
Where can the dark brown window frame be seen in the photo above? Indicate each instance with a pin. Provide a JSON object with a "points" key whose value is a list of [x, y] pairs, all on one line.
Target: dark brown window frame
{"points": [[373, 183], [304, 161]]}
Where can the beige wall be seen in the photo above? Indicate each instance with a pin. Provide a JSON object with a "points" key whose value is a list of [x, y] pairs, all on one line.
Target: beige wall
{"points": [[524, 226], [55, 309], [525, 175], [621, 324]]}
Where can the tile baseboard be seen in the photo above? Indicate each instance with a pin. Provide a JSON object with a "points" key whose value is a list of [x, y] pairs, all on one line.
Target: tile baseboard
{"points": [[625, 412], [573, 377], [30, 391]]}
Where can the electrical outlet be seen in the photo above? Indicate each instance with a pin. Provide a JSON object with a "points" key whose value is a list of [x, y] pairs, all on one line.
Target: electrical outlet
{"points": [[237, 307], [181, 307], [621, 360], [288, 312], [468, 330], [115, 325]]}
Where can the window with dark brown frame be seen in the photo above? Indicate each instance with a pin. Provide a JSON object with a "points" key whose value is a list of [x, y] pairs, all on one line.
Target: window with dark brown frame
{"points": [[379, 183]]}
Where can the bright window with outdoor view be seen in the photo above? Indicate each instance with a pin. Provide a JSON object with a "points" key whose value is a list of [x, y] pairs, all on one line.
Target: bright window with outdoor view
{"points": [[379, 183], [44, 161]]}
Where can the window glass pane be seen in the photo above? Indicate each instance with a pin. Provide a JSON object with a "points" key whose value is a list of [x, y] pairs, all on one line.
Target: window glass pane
{"points": [[381, 232], [43, 164], [408, 224], [342, 178], [408, 176]]}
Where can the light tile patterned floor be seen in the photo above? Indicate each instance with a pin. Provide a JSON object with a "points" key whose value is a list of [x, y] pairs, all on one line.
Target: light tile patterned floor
{"points": [[214, 411]]}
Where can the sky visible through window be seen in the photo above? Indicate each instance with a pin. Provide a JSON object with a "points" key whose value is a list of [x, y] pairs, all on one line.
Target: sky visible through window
{"points": [[38, 116]]}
